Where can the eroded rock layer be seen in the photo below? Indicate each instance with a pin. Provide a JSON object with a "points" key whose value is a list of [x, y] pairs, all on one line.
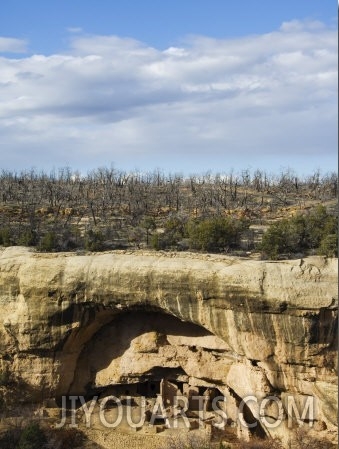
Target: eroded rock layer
{"points": [[77, 324]]}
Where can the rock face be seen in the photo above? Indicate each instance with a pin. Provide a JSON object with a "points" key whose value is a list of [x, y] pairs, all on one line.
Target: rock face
{"points": [[78, 324]]}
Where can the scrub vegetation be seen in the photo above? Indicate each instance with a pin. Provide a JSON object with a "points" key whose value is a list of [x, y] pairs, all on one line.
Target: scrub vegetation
{"points": [[278, 216]]}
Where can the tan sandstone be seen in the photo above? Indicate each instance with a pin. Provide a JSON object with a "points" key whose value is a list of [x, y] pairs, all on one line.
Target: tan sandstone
{"points": [[245, 326]]}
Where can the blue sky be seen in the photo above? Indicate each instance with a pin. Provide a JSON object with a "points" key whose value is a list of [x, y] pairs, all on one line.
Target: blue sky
{"points": [[184, 85], [157, 22]]}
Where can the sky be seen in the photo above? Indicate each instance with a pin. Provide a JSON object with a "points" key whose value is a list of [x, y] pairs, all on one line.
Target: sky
{"points": [[183, 86]]}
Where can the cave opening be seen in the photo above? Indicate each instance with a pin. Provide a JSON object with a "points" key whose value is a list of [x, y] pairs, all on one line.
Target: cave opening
{"points": [[134, 347], [149, 353]]}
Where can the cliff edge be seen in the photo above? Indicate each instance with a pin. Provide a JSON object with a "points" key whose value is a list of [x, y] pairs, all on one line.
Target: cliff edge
{"points": [[77, 324]]}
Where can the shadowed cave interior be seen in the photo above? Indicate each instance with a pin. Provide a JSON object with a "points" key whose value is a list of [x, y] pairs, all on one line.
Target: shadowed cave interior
{"points": [[137, 351]]}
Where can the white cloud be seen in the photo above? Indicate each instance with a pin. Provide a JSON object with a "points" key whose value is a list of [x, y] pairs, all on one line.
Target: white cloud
{"points": [[12, 45], [74, 29], [207, 103]]}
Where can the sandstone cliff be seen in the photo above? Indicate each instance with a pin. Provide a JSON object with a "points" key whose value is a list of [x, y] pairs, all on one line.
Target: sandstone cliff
{"points": [[74, 324]]}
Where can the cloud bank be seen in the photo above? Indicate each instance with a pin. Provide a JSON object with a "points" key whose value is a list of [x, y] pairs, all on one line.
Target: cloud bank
{"points": [[263, 101]]}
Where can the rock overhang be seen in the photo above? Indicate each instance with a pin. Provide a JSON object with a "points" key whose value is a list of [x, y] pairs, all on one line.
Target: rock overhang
{"points": [[277, 318]]}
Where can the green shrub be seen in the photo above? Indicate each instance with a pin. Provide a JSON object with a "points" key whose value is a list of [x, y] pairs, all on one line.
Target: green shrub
{"points": [[329, 246], [280, 238], [32, 437], [215, 234], [27, 238], [316, 231], [172, 235], [318, 224], [5, 237], [162, 241], [157, 242], [94, 240], [48, 242], [148, 223]]}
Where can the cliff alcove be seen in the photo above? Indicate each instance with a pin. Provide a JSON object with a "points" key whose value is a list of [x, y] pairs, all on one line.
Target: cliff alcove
{"points": [[91, 324], [138, 345]]}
